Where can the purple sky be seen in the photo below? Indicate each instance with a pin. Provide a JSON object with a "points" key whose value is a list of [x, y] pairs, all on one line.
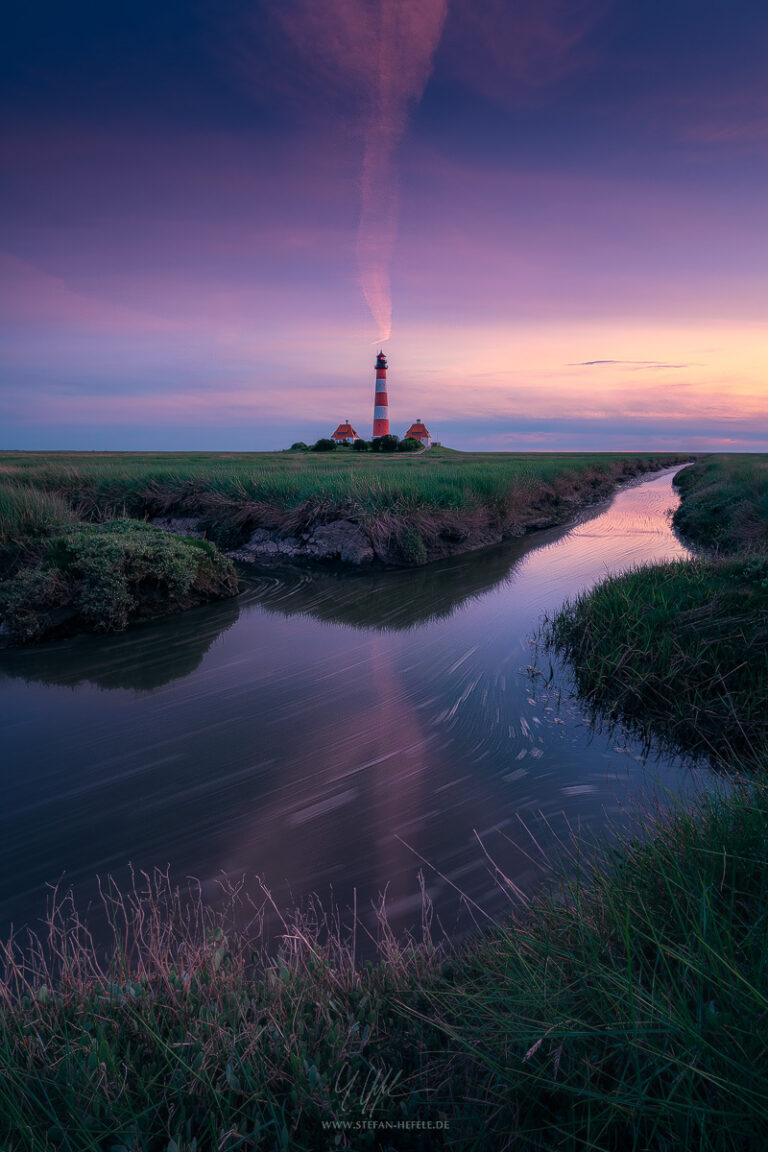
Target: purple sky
{"points": [[212, 212]]}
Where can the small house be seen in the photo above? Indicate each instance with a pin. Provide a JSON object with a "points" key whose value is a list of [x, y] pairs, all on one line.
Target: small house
{"points": [[418, 431], [345, 434]]}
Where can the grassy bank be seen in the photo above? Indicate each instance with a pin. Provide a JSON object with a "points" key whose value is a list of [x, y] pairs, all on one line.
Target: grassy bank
{"points": [[350, 506], [392, 497], [724, 503], [680, 651], [627, 1011]]}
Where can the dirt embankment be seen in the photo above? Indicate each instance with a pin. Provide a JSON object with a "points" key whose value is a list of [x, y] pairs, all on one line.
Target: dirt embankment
{"points": [[397, 539]]}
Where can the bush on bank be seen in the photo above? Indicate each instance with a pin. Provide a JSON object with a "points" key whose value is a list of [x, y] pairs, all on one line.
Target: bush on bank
{"points": [[100, 577]]}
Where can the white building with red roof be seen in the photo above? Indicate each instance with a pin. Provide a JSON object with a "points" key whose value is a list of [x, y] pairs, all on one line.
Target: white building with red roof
{"points": [[418, 431], [345, 434]]}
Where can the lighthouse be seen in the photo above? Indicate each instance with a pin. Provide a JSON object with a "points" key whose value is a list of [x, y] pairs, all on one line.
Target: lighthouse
{"points": [[381, 404]]}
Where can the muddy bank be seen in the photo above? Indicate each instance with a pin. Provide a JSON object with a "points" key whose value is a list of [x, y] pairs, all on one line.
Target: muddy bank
{"points": [[399, 543], [397, 540]]}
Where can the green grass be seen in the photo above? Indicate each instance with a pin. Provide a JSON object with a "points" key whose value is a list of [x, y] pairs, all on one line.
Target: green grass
{"points": [[626, 1011], [181, 482], [678, 650], [27, 511], [724, 503], [406, 504], [234, 493]]}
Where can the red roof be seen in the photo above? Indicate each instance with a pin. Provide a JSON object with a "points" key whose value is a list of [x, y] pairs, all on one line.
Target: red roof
{"points": [[344, 431], [417, 430]]}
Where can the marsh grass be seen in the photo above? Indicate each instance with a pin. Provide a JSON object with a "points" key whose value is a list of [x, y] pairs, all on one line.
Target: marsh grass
{"points": [[724, 503], [679, 650], [303, 487], [26, 510], [625, 1010]]}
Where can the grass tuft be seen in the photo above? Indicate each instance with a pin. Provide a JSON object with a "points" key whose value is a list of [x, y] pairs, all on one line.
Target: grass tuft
{"points": [[678, 650]]}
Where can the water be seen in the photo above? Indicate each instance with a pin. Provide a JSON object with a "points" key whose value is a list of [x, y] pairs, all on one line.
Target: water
{"points": [[330, 732]]}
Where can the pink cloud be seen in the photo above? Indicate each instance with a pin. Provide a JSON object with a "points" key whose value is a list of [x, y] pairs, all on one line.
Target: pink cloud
{"points": [[379, 52]]}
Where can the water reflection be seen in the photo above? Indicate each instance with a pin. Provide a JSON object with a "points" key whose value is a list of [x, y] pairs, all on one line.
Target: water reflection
{"points": [[334, 735], [397, 600], [144, 658]]}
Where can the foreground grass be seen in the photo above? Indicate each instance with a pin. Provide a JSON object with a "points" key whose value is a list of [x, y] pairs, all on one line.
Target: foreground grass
{"points": [[724, 503], [678, 650], [626, 1011]]}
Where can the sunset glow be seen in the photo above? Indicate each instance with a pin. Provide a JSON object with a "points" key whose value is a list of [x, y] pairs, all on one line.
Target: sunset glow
{"points": [[562, 219]]}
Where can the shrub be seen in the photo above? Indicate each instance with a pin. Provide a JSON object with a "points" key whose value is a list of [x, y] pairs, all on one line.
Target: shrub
{"points": [[26, 601], [410, 444], [324, 444], [384, 444], [360, 445], [99, 576], [299, 446]]}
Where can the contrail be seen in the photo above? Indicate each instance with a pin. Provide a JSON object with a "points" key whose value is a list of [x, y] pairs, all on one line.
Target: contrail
{"points": [[380, 52], [408, 34]]}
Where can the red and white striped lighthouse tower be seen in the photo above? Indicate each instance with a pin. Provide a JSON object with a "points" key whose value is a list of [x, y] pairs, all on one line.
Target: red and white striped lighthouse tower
{"points": [[381, 404]]}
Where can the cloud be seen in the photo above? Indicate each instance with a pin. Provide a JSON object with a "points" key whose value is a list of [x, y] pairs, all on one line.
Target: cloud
{"points": [[637, 365], [378, 52]]}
